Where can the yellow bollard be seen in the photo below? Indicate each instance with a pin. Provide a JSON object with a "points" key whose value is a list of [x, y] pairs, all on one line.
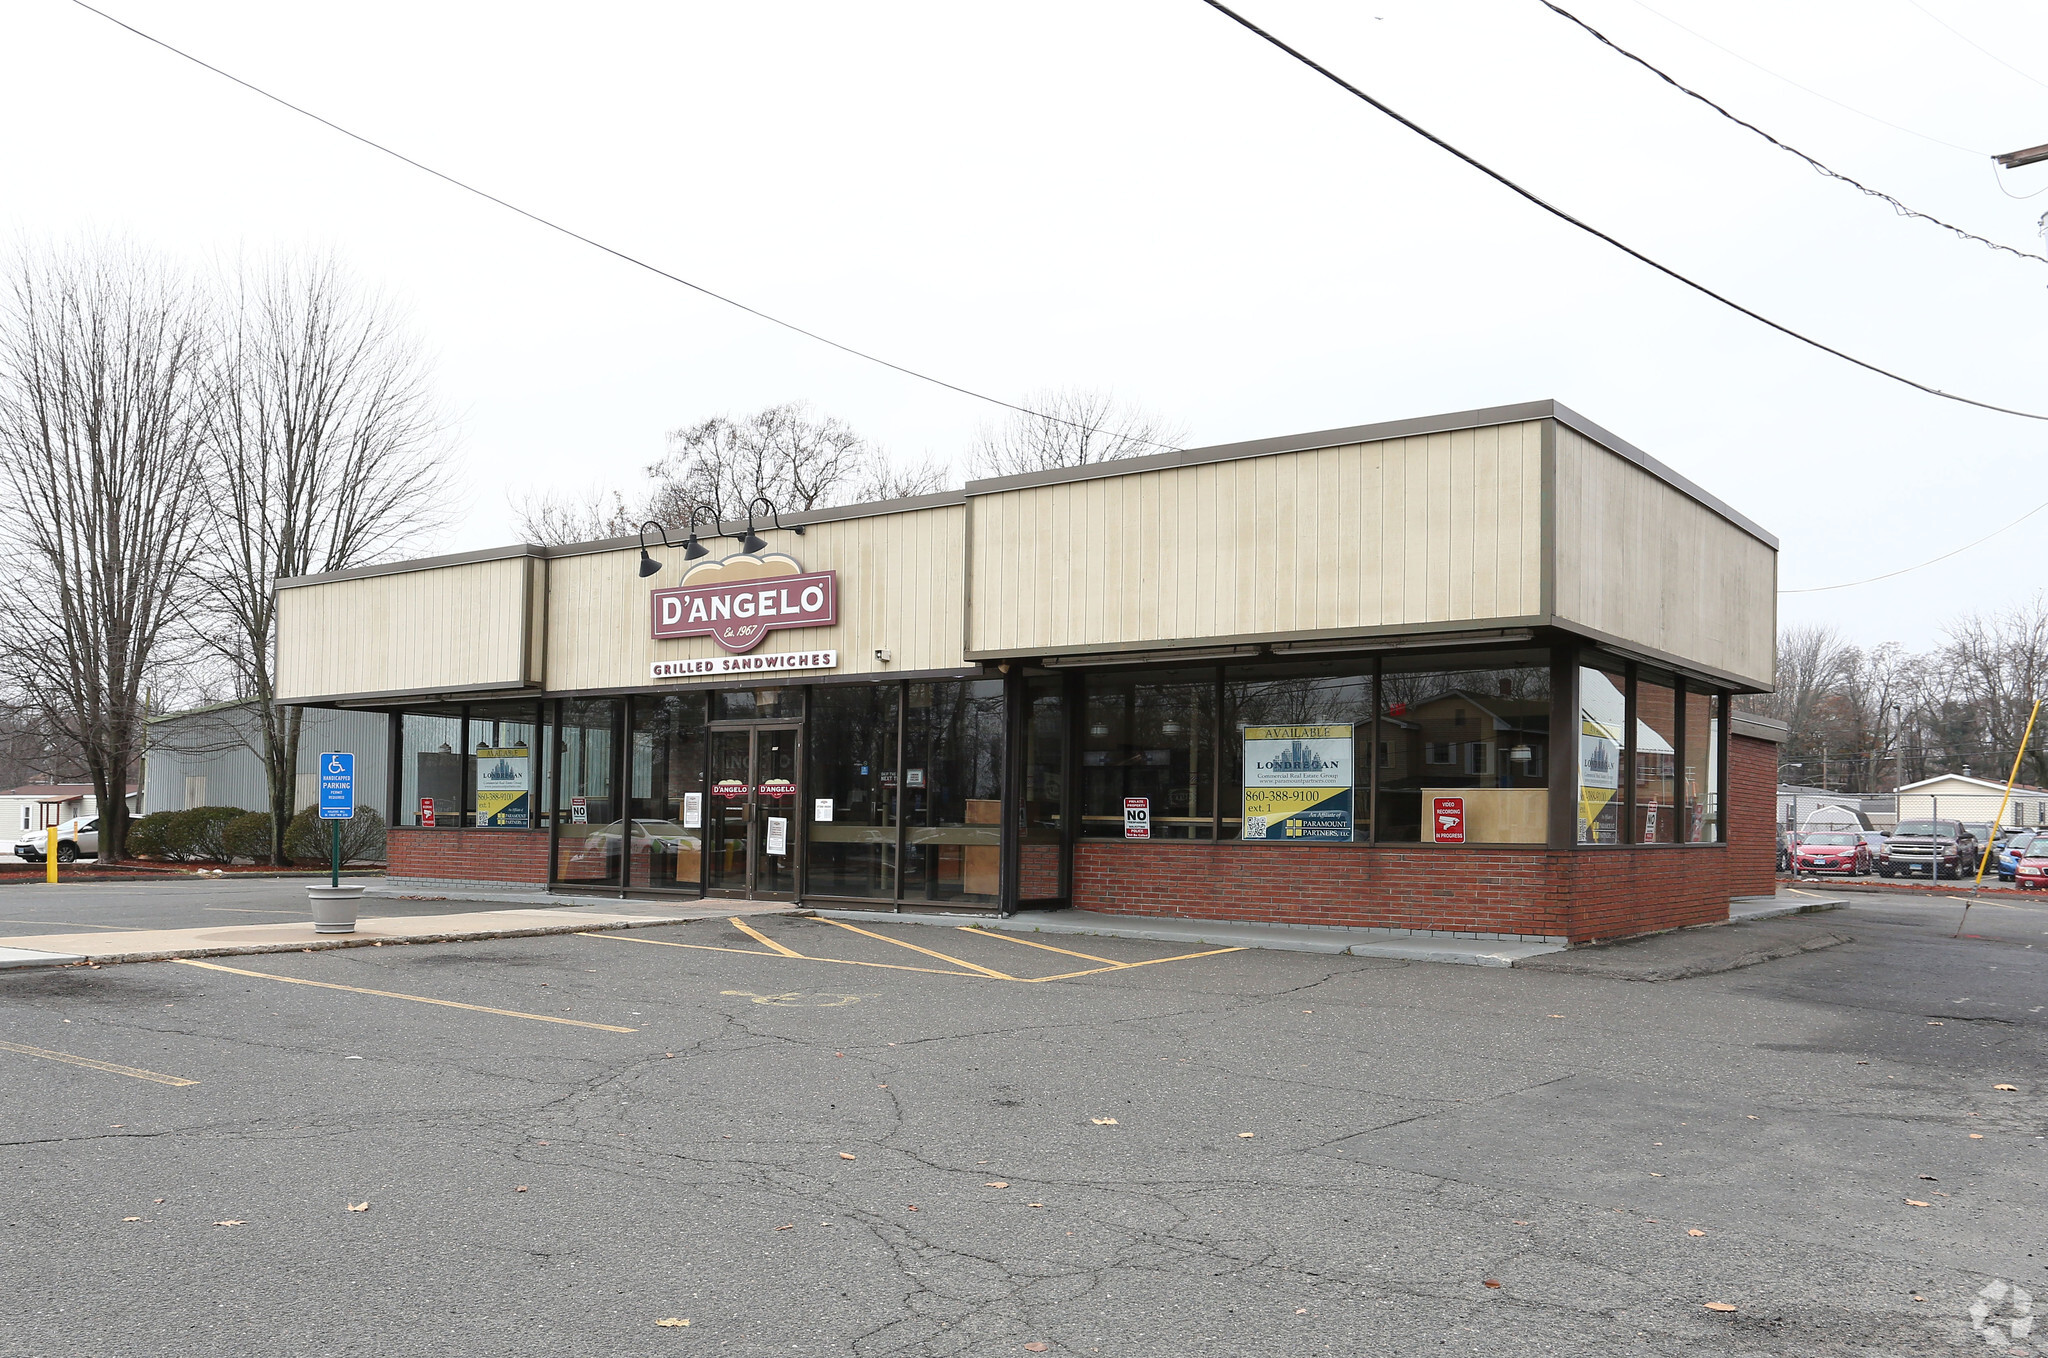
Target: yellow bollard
{"points": [[50, 855]]}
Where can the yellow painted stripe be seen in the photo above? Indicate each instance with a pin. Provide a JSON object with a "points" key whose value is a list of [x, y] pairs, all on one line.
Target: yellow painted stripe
{"points": [[928, 952], [395, 995], [795, 957], [133, 1072], [1085, 956], [751, 932], [1126, 966]]}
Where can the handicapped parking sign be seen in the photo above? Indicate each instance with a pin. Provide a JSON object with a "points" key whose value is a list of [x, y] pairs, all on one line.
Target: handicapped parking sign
{"points": [[337, 786]]}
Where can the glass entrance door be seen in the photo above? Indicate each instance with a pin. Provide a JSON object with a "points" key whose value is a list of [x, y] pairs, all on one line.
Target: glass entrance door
{"points": [[750, 823]]}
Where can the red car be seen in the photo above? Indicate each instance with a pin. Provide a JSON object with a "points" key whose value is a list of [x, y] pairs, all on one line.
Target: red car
{"points": [[1832, 851]]}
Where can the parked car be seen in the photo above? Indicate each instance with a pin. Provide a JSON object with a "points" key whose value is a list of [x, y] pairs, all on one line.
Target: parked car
{"points": [[2032, 872], [2010, 850], [1874, 841], [1840, 851], [1933, 847], [79, 838], [1986, 835], [1784, 851]]}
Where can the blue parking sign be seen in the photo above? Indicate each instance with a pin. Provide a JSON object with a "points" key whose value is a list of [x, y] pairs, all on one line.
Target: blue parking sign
{"points": [[337, 786]]}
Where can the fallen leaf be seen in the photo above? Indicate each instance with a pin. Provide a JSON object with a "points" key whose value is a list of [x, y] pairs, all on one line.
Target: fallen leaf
{"points": [[359, 1207], [839, 1053], [1522, 1223], [1934, 1023], [1915, 1202], [520, 1189], [1557, 1015], [1034, 1204], [995, 1183], [1103, 1122], [2010, 1089], [1037, 1346], [910, 1207], [1301, 1310], [1976, 1136], [159, 1199], [668, 1056], [1695, 1232], [1655, 1175], [1718, 1306], [1245, 1136], [131, 1218], [540, 1143], [790, 1227], [1490, 1282], [848, 1155], [672, 1322], [1751, 1116], [231, 1223]]}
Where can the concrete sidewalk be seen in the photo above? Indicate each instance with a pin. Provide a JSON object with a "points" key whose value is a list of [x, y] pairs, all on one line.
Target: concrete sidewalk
{"points": [[157, 945]]}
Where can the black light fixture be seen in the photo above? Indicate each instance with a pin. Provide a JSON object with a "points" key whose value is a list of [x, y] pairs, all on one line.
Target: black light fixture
{"points": [[692, 549], [751, 541]]}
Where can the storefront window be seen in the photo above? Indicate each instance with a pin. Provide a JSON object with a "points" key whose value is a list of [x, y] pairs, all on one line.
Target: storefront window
{"points": [[1702, 767], [1307, 730], [1148, 746], [1042, 816], [1464, 753], [1603, 726], [1656, 762], [503, 752], [851, 789], [430, 768], [665, 792], [759, 704], [589, 845], [952, 792]]}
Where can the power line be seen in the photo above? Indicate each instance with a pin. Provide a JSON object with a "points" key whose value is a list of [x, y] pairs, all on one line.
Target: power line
{"points": [[578, 236], [1825, 98], [1900, 208], [1905, 570], [1594, 231], [1973, 43]]}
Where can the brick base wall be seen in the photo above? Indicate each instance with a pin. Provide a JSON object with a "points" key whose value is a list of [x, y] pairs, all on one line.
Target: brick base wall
{"points": [[468, 855]]}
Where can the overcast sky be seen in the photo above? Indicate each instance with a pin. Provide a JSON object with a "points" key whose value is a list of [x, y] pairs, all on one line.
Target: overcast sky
{"points": [[1139, 196]]}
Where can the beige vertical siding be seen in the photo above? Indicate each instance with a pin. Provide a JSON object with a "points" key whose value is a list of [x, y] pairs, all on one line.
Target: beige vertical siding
{"points": [[1436, 529], [1641, 561], [447, 627], [900, 590]]}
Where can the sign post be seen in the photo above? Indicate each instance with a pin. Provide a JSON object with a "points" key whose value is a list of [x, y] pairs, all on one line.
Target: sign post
{"points": [[337, 801], [50, 855]]}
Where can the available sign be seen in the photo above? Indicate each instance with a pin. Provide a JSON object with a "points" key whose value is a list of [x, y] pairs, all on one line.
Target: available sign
{"points": [[740, 613], [743, 664], [1298, 783], [501, 787]]}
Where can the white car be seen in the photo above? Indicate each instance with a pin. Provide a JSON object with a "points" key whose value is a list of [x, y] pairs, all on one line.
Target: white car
{"points": [[79, 838]]}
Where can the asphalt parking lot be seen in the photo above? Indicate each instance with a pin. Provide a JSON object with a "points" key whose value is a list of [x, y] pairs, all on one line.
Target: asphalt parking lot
{"points": [[115, 907], [924, 1141]]}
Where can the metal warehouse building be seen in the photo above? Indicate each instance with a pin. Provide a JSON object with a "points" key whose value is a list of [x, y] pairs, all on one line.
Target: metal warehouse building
{"points": [[1469, 673]]}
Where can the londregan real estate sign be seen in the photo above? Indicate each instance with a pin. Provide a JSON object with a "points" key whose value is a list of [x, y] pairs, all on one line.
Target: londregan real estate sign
{"points": [[1298, 783]]}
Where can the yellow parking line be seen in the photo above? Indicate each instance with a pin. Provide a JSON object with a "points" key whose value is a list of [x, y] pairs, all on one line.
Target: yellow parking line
{"points": [[751, 932], [1126, 966], [928, 952], [1086, 956], [798, 957], [133, 1072], [395, 995]]}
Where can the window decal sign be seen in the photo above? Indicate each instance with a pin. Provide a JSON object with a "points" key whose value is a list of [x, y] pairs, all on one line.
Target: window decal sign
{"points": [[1137, 818], [1298, 783], [737, 602], [1448, 819]]}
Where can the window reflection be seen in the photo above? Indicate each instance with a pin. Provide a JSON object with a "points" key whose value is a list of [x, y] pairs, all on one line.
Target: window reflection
{"points": [[1603, 727], [952, 792], [852, 791], [1464, 754], [589, 845], [1656, 762], [1330, 705], [1702, 767], [665, 808], [1149, 738]]}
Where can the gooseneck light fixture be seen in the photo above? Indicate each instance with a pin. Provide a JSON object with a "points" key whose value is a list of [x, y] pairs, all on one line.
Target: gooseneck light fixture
{"points": [[692, 549], [751, 541]]}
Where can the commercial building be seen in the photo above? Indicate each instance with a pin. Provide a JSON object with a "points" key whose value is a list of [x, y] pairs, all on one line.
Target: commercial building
{"points": [[1468, 673], [208, 756]]}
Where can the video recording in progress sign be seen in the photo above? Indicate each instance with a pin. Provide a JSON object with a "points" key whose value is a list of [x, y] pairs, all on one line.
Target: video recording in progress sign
{"points": [[1298, 783]]}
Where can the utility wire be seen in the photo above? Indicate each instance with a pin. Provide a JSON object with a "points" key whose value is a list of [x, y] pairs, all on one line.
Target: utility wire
{"points": [[1906, 570], [1825, 98], [578, 236], [1900, 208], [1594, 231], [1974, 43]]}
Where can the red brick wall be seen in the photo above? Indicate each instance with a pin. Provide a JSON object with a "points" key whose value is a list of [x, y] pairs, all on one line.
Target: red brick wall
{"points": [[1752, 816], [474, 855]]}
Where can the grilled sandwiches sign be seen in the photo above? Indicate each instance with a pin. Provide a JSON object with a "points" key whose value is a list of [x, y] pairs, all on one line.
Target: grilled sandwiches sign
{"points": [[770, 594]]}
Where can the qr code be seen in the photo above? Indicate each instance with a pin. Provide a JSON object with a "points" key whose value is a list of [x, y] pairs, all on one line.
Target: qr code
{"points": [[1254, 827]]}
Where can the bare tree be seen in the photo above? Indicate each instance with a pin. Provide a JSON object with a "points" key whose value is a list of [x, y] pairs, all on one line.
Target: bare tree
{"points": [[1071, 427], [556, 518], [104, 397], [1997, 666], [324, 452], [886, 480]]}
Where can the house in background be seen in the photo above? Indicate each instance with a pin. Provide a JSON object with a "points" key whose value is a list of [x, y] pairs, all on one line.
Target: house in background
{"points": [[208, 757], [1955, 796], [36, 806]]}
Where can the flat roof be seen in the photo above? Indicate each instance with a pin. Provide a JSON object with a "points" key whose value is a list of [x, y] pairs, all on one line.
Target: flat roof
{"points": [[1483, 418]]}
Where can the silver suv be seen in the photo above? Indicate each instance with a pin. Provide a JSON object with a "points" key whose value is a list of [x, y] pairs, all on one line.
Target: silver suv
{"points": [[78, 838]]}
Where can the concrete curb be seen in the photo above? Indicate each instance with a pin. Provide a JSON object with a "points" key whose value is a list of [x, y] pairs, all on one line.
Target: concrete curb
{"points": [[325, 942]]}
